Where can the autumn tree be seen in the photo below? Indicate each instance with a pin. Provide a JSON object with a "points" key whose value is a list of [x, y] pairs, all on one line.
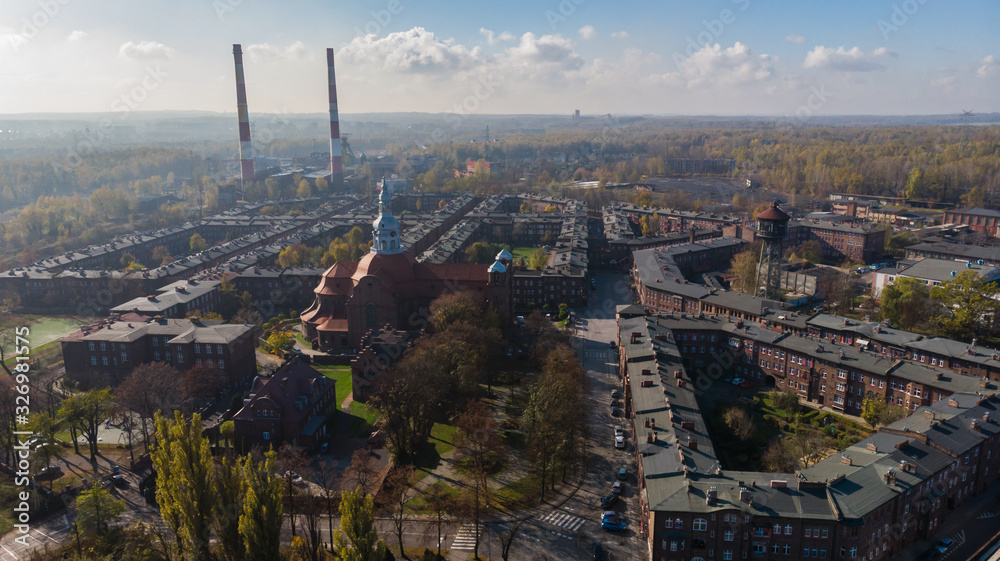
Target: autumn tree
{"points": [[739, 421], [479, 450], [230, 489], [151, 387], [363, 471], [184, 481], [260, 520], [357, 539], [872, 410], [966, 308], [96, 510], [538, 259], [87, 412], [743, 268], [906, 303], [197, 243]]}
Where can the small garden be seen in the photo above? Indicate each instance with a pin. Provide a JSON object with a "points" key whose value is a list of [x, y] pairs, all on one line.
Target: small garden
{"points": [[776, 433]]}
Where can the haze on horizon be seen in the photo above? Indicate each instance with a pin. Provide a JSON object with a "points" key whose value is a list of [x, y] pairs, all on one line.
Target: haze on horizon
{"points": [[719, 57]]}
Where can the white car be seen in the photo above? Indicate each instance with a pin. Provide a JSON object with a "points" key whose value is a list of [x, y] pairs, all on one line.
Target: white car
{"points": [[619, 431], [738, 381], [619, 442]]}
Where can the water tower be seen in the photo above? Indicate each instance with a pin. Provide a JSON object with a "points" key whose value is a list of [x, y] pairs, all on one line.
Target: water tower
{"points": [[772, 225]]}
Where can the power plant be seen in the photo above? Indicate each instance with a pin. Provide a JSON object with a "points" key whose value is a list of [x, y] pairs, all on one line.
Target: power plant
{"points": [[247, 168]]}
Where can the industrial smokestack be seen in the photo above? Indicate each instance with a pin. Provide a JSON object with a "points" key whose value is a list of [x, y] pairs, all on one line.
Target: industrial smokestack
{"points": [[246, 151], [336, 161]]}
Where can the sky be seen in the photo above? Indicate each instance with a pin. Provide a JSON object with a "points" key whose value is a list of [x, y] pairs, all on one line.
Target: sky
{"points": [[663, 57]]}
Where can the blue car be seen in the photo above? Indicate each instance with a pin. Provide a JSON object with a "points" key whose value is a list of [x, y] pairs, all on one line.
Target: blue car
{"points": [[609, 501], [613, 525]]}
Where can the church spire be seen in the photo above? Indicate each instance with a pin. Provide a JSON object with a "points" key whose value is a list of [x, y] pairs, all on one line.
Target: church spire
{"points": [[385, 229]]}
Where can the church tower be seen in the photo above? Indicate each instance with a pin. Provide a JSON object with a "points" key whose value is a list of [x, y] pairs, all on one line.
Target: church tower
{"points": [[385, 228]]}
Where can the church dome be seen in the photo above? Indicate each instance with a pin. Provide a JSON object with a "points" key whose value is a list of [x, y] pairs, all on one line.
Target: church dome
{"points": [[504, 255], [497, 267], [391, 267]]}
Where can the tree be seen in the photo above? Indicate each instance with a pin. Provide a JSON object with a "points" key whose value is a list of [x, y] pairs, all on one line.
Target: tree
{"points": [[479, 450], [394, 497], [184, 486], [228, 431], [440, 503], [457, 307], [526, 207], [967, 308], [872, 410], [538, 259], [787, 400], [304, 190], [739, 421], [357, 539], [781, 456], [279, 342], [906, 303], [199, 383], [96, 509], [362, 471], [87, 412], [322, 185], [507, 538], [290, 460], [809, 251], [162, 255], [197, 243], [893, 413], [260, 521], [150, 388], [230, 490], [743, 268], [915, 184]]}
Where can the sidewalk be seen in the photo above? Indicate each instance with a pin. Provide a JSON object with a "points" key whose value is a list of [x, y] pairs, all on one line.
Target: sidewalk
{"points": [[954, 521]]}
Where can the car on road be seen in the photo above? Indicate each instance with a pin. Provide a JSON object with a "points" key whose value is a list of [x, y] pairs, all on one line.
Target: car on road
{"points": [[119, 480], [609, 501], [619, 431], [598, 551], [611, 515], [737, 381], [614, 410], [613, 525], [49, 471], [746, 384], [612, 345], [622, 474], [620, 442], [616, 487], [614, 394], [943, 544]]}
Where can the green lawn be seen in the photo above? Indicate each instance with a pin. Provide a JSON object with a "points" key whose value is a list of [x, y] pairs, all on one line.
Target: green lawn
{"points": [[342, 376], [418, 504], [521, 494], [443, 437]]}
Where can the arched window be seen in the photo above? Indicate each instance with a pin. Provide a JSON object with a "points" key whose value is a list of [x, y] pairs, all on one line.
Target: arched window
{"points": [[383, 244], [699, 524], [371, 316]]}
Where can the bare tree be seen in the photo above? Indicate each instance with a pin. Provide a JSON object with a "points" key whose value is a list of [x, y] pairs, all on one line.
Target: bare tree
{"points": [[291, 460], [739, 421], [507, 539], [363, 471], [326, 476], [393, 497], [440, 502]]}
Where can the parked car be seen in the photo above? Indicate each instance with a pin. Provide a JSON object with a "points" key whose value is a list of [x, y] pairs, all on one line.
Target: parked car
{"points": [[620, 442], [49, 471], [598, 552], [609, 501], [738, 381], [614, 394], [611, 515], [622, 474], [619, 431], [746, 384], [614, 410], [612, 345], [119, 480], [616, 487], [943, 544], [613, 525]]}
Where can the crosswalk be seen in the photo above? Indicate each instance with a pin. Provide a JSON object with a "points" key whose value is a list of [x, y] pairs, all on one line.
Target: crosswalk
{"points": [[466, 538], [597, 354], [564, 520]]}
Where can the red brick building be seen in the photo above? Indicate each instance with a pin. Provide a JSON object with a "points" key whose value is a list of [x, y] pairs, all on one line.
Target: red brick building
{"points": [[291, 406]]}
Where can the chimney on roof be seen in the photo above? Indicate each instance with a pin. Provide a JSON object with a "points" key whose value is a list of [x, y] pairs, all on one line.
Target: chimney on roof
{"points": [[845, 459]]}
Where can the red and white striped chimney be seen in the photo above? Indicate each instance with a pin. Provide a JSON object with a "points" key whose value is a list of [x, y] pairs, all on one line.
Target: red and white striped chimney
{"points": [[246, 151], [336, 160]]}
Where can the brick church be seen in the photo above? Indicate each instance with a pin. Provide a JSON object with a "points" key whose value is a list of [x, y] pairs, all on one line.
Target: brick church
{"points": [[389, 287]]}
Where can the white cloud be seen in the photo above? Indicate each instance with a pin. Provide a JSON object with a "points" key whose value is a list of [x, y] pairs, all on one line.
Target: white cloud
{"points": [[713, 65], [797, 39], [619, 35], [853, 60], [264, 52], [415, 50], [145, 50], [587, 32], [988, 65], [492, 38], [551, 50], [76, 36]]}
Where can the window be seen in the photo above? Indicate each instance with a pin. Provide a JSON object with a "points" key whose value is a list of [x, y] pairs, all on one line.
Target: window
{"points": [[699, 525], [90, 345], [669, 523], [678, 523], [124, 357], [822, 553], [197, 362], [180, 357], [805, 552], [371, 316], [197, 348], [727, 536], [156, 355], [759, 549], [221, 364], [788, 529], [777, 528], [104, 346], [208, 349], [727, 555], [266, 435], [775, 548], [786, 549], [854, 552], [104, 361], [93, 361], [673, 545], [218, 349], [826, 533], [166, 356]]}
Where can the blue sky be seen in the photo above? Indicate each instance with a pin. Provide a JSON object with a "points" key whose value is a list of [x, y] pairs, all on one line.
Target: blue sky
{"points": [[722, 57]]}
